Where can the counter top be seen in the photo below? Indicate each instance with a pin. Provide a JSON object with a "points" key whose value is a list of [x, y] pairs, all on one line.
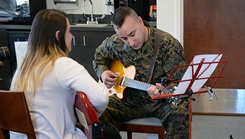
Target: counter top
{"points": [[17, 27], [73, 27], [229, 102], [91, 28]]}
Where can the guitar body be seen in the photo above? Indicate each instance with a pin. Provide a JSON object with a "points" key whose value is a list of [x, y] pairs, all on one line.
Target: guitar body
{"points": [[87, 117], [129, 72], [125, 79]]}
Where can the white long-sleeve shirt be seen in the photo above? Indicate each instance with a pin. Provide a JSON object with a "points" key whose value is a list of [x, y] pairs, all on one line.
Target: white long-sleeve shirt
{"points": [[52, 106]]}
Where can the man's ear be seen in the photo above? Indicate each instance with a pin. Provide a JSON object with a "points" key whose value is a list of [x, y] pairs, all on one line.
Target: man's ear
{"points": [[57, 35], [140, 20]]}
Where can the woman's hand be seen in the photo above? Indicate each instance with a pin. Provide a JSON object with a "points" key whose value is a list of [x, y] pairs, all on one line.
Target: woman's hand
{"points": [[1, 63]]}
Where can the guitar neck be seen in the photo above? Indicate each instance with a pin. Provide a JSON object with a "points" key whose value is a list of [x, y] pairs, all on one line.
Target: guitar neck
{"points": [[135, 84]]}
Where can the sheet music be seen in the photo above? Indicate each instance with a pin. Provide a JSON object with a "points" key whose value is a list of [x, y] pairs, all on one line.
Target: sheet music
{"points": [[205, 72], [20, 51]]}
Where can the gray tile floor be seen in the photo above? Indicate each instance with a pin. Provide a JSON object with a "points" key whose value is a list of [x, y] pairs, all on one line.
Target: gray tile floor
{"points": [[231, 102], [209, 127]]}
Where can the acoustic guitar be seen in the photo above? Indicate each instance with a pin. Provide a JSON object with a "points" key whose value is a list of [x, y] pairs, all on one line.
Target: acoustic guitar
{"points": [[126, 79], [88, 121]]}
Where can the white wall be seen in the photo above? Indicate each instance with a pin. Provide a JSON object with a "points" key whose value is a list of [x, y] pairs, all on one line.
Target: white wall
{"points": [[170, 17], [99, 7]]}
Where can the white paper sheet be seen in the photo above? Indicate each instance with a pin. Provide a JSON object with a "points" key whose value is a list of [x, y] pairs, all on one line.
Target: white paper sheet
{"points": [[205, 72], [20, 51], [81, 118]]}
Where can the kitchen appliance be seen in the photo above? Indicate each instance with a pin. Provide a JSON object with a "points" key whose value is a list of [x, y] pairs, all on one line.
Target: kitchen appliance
{"points": [[66, 1], [20, 11]]}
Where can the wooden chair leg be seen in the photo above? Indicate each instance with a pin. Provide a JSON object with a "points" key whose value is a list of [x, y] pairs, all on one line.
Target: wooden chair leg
{"points": [[129, 134], [161, 135], [147, 125], [1, 134]]}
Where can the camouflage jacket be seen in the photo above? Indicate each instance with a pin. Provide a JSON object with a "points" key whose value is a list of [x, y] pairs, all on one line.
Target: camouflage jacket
{"points": [[170, 53]]}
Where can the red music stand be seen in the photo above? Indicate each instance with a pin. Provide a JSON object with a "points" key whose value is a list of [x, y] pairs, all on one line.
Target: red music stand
{"points": [[197, 70]]}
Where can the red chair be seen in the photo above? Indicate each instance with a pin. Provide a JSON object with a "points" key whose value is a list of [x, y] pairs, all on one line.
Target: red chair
{"points": [[88, 120]]}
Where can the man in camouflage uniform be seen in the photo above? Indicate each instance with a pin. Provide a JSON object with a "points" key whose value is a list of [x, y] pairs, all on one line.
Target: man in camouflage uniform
{"points": [[134, 45]]}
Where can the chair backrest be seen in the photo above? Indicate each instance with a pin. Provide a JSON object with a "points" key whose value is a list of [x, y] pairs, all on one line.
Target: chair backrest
{"points": [[88, 120], [14, 113]]}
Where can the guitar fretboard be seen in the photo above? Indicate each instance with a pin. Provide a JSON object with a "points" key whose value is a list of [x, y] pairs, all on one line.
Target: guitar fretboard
{"points": [[135, 84]]}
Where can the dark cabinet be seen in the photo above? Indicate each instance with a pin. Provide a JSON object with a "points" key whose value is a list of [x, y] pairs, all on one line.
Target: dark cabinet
{"points": [[8, 37], [5, 74], [85, 41], [84, 45], [142, 7], [14, 36]]}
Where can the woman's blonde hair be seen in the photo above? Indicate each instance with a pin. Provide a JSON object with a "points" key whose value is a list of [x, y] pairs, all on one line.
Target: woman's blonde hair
{"points": [[43, 49]]}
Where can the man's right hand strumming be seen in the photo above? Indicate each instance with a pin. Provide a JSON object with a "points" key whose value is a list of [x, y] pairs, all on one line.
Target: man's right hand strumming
{"points": [[109, 78]]}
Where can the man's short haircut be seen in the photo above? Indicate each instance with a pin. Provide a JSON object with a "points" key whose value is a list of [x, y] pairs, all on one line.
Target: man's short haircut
{"points": [[121, 13]]}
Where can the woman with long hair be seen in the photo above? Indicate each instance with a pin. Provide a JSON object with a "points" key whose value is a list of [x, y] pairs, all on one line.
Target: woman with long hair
{"points": [[50, 79]]}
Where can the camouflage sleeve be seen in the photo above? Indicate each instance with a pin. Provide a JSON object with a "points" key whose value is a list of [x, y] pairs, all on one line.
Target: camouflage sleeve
{"points": [[174, 57], [103, 55]]}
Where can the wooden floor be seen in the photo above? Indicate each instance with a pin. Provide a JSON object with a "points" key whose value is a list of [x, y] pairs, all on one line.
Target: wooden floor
{"points": [[230, 102]]}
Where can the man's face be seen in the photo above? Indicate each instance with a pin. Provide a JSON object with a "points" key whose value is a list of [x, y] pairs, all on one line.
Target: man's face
{"points": [[132, 32]]}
